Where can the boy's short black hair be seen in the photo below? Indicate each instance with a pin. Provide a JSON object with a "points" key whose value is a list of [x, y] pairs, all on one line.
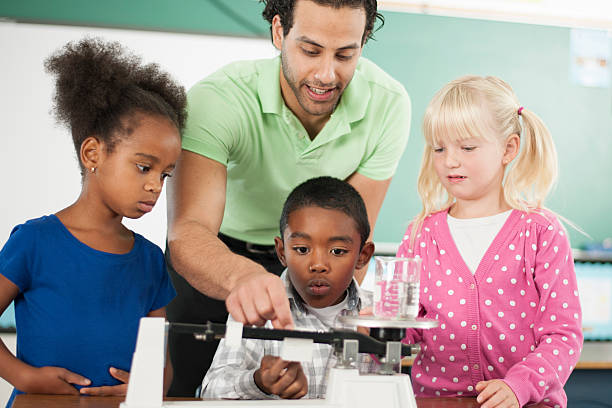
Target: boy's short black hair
{"points": [[332, 194]]}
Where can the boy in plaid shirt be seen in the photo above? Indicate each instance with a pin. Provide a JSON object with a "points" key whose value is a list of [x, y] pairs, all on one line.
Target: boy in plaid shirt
{"points": [[324, 237]]}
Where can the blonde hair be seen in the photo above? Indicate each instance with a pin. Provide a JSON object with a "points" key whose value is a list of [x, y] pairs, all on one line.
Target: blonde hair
{"points": [[487, 108]]}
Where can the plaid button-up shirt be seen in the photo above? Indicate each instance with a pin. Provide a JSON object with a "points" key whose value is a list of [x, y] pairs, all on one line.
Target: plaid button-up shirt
{"points": [[231, 373]]}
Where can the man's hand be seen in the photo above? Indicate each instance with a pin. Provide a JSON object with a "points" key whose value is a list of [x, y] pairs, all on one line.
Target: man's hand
{"points": [[496, 394], [51, 380], [283, 378], [120, 389], [258, 297]]}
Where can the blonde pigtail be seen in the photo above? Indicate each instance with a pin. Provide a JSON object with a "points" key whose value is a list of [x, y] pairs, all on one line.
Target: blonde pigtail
{"points": [[534, 172]]}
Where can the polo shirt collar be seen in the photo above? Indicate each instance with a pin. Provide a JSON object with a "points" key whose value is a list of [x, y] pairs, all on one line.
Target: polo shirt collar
{"points": [[353, 103], [268, 86], [355, 98]]}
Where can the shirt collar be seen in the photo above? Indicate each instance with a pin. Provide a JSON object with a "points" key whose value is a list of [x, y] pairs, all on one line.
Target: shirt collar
{"points": [[355, 98], [298, 305], [268, 86]]}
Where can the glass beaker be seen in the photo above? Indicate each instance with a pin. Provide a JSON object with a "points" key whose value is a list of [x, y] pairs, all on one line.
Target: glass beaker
{"points": [[396, 289]]}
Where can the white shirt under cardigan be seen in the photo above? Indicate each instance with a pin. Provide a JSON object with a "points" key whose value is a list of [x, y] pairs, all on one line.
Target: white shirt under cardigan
{"points": [[474, 235]]}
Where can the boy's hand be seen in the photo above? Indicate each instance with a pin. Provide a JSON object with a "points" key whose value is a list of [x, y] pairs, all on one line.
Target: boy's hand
{"points": [[283, 378], [51, 380], [120, 389], [496, 394]]}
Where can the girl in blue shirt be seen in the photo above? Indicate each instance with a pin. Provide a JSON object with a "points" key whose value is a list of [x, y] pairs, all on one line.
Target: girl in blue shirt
{"points": [[80, 279]]}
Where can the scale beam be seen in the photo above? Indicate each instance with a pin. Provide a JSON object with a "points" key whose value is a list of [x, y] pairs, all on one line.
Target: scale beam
{"points": [[214, 331]]}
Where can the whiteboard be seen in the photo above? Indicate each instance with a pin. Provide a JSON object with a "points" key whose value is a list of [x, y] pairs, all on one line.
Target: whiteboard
{"points": [[39, 166]]}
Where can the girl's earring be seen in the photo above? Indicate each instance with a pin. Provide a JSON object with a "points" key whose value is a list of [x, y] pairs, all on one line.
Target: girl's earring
{"points": [[93, 169]]}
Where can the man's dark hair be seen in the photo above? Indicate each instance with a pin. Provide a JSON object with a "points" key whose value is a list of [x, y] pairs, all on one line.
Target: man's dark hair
{"points": [[285, 8], [101, 89], [332, 194]]}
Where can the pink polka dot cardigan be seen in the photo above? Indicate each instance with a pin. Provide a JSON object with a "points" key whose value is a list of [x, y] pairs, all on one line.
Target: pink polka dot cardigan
{"points": [[517, 318]]}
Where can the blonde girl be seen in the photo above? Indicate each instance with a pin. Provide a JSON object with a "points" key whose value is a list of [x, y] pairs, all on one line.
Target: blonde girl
{"points": [[498, 272]]}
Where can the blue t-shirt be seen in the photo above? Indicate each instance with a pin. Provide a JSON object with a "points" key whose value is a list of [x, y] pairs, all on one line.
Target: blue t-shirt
{"points": [[79, 308]]}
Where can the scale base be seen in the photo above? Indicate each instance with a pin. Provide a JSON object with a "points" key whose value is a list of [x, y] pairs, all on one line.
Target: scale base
{"points": [[346, 388]]}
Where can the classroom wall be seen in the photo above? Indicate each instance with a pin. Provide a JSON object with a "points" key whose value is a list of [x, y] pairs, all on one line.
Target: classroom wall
{"points": [[423, 52]]}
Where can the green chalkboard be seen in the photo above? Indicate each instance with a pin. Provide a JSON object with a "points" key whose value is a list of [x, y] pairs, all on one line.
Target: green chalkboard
{"points": [[423, 52], [223, 17]]}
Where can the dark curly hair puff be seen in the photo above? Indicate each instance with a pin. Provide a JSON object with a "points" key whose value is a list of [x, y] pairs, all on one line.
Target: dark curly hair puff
{"points": [[99, 85], [285, 8]]}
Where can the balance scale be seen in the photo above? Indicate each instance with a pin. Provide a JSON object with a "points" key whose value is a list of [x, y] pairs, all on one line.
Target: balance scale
{"points": [[346, 388]]}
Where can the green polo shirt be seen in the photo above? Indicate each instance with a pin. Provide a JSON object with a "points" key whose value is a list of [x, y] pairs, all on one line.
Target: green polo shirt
{"points": [[237, 117]]}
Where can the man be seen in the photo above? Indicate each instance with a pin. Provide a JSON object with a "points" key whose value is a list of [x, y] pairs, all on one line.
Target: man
{"points": [[257, 129]]}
